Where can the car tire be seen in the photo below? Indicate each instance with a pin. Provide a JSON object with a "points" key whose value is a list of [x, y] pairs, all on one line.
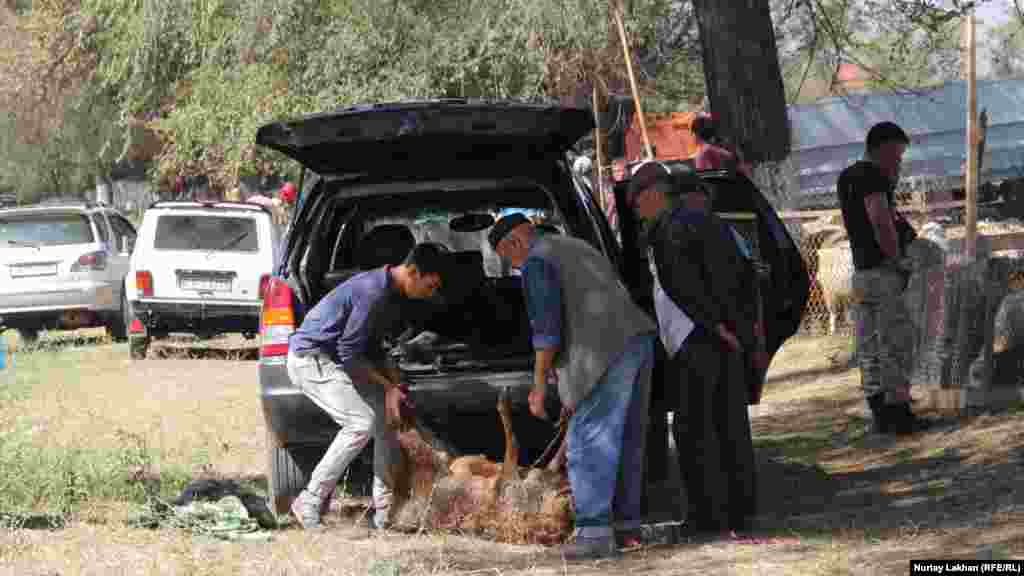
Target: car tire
{"points": [[286, 477], [118, 326], [28, 336], [138, 347]]}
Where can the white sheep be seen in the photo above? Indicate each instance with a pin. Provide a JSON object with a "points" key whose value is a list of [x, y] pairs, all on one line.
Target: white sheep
{"points": [[835, 270]]}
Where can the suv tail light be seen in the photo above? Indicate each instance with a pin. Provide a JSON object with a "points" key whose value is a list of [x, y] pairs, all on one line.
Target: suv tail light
{"points": [[264, 281], [144, 283], [277, 320], [91, 261], [136, 327]]}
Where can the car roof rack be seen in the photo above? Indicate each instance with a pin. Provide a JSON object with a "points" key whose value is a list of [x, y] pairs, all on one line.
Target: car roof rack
{"points": [[228, 205], [66, 202]]}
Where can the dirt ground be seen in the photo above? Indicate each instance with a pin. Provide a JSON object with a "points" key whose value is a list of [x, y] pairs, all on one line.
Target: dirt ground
{"points": [[835, 499]]}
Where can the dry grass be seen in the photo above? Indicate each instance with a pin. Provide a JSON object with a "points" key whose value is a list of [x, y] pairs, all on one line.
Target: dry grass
{"points": [[191, 411], [834, 499]]}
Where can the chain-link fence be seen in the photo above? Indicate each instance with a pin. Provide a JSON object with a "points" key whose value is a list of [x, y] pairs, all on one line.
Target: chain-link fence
{"points": [[824, 245], [967, 316]]}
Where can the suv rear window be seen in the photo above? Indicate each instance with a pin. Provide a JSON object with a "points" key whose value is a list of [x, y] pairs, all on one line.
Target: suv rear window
{"points": [[206, 233], [431, 225], [45, 229]]}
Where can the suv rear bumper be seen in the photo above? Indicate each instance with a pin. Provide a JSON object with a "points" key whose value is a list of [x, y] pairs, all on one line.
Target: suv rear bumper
{"points": [[293, 419], [198, 315]]}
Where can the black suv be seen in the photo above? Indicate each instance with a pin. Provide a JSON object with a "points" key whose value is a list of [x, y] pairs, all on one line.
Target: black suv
{"points": [[380, 178]]}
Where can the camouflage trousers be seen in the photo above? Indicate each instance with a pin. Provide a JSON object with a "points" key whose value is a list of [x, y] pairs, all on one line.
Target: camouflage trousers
{"points": [[883, 333]]}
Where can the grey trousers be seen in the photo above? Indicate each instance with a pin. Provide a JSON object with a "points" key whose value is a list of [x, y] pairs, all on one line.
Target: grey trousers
{"points": [[884, 332], [358, 407]]}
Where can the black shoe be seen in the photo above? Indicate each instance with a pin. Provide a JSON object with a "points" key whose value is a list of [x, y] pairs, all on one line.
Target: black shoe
{"points": [[589, 549], [369, 521], [876, 402], [908, 422], [629, 539], [899, 419]]}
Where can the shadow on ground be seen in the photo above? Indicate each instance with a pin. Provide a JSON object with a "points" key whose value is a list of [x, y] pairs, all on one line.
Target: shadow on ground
{"points": [[821, 470]]}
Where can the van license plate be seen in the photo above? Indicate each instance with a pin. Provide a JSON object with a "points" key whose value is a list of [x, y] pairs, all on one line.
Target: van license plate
{"points": [[214, 284]]}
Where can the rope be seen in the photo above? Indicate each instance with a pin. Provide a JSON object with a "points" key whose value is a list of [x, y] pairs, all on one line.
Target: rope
{"points": [[563, 427]]}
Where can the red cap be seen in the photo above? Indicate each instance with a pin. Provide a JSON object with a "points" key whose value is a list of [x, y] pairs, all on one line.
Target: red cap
{"points": [[287, 193]]}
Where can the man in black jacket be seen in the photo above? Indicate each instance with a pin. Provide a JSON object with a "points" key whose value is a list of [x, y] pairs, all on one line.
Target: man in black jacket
{"points": [[704, 303]]}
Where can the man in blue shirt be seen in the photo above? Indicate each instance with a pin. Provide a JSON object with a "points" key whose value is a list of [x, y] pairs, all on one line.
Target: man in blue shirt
{"points": [[337, 359]]}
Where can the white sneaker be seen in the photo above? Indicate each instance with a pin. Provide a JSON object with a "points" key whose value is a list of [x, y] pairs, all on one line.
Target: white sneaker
{"points": [[306, 510]]}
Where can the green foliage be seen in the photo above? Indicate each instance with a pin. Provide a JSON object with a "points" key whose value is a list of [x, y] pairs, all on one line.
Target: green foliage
{"points": [[903, 45], [912, 54], [206, 73], [66, 161], [197, 77], [1006, 43]]}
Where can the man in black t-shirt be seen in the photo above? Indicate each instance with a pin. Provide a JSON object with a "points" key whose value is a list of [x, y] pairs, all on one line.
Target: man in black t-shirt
{"points": [[878, 238]]}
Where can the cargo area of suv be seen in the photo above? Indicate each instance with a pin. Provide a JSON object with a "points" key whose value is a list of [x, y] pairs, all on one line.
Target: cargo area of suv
{"points": [[479, 323]]}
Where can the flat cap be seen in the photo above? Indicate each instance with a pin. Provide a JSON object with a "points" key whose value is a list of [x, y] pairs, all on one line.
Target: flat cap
{"points": [[502, 227], [677, 174]]}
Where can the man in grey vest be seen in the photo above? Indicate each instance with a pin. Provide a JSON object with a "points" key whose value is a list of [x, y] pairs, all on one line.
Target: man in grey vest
{"points": [[598, 346]]}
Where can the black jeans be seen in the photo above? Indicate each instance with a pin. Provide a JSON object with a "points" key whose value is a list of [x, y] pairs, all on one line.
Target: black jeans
{"points": [[711, 428]]}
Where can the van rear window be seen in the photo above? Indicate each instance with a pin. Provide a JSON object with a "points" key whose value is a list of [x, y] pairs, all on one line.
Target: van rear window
{"points": [[44, 230], [206, 233]]}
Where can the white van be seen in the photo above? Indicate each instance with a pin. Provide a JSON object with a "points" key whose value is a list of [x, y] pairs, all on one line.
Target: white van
{"points": [[199, 268]]}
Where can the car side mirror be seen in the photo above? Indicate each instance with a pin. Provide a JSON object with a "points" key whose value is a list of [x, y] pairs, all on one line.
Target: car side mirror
{"points": [[127, 244]]}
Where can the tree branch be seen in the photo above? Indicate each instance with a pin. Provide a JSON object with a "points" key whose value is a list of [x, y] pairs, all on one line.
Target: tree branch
{"points": [[813, 47]]}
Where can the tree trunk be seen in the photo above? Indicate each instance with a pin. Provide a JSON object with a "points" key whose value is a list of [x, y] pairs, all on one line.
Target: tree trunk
{"points": [[741, 70]]}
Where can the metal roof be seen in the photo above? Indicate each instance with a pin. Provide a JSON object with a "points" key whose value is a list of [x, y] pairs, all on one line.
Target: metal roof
{"points": [[828, 135]]}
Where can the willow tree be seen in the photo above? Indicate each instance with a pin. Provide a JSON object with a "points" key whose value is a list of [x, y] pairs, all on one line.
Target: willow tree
{"points": [[56, 133], [900, 45]]}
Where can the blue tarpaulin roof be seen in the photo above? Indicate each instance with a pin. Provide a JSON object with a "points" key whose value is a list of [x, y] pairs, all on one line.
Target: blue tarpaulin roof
{"points": [[828, 135]]}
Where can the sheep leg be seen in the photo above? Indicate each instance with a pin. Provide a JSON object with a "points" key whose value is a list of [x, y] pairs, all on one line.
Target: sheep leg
{"points": [[510, 465]]}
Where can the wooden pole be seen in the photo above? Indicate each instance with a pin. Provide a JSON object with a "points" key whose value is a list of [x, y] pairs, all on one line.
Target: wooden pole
{"points": [[598, 173], [617, 12], [963, 284], [971, 213]]}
